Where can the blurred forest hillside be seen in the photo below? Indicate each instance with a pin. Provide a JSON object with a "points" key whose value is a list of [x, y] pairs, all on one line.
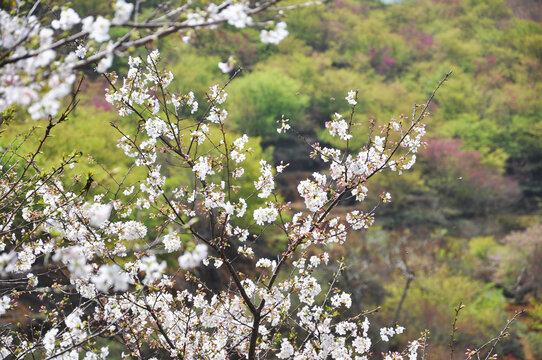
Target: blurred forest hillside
{"points": [[464, 223]]}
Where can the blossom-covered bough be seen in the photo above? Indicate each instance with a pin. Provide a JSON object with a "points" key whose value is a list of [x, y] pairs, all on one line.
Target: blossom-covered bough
{"points": [[100, 270], [39, 58]]}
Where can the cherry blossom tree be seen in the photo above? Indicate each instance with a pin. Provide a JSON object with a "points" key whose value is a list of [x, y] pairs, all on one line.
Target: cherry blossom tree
{"points": [[124, 266]]}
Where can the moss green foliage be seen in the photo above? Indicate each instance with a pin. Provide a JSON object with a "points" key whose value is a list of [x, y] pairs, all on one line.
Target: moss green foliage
{"points": [[261, 98], [430, 302], [534, 324]]}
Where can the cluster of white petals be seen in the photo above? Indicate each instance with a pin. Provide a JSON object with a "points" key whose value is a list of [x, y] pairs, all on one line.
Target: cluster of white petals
{"points": [[274, 36], [351, 97], [113, 252], [227, 66], [313, 192], [98, 29], [338, 126], [4, 304], [237, 15], [123, 10], [265, 215], [68, 19], [266, 181], [192, 259], [387, 333], [32, 55]]}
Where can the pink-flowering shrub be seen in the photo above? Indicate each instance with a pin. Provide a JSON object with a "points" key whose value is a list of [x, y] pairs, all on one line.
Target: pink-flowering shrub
{"points": [[464, 182], [381, 60]]}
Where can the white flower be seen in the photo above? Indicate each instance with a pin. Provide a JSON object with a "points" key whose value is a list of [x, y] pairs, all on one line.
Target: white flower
{"points": [[49, 340], [152, 268], [343, 298], [153, 57], [266, 263], [132, 230], [361, 344], [87, 23], [156, 127], [245, 250], [386, 333], [25, 96], [32, 279], [200, 251], [4, 304], [274, 36], [227, 67], [236, 15], [172, 242], [73, 320], [286, 349], [46, 37], [111, 276], [351, 98], [413, 350], [386, 197], [217, 94], [338, 127], [238, 172], [4, 353], [265, 215], [105, 63], [99, 213], [203, 168], [187, 261], [265, 183], [237, 156], [315, 195], [284, 125], [217, 115], [224, 67], [81, 51], [98, 29], [192, 102], [68, 18], [365, 326], [308, 288], [379, 143], [314, 261], [123, 10], [218, 262], [190, 260]]}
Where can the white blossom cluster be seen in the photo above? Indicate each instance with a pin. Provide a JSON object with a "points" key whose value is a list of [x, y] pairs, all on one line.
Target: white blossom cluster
{"points": [[36, 71], [114, 251], [34, 74], [266, 181], [227, 66], [338, 126], [276, 35], [192, 259], [314, 192], [265, 215]]}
